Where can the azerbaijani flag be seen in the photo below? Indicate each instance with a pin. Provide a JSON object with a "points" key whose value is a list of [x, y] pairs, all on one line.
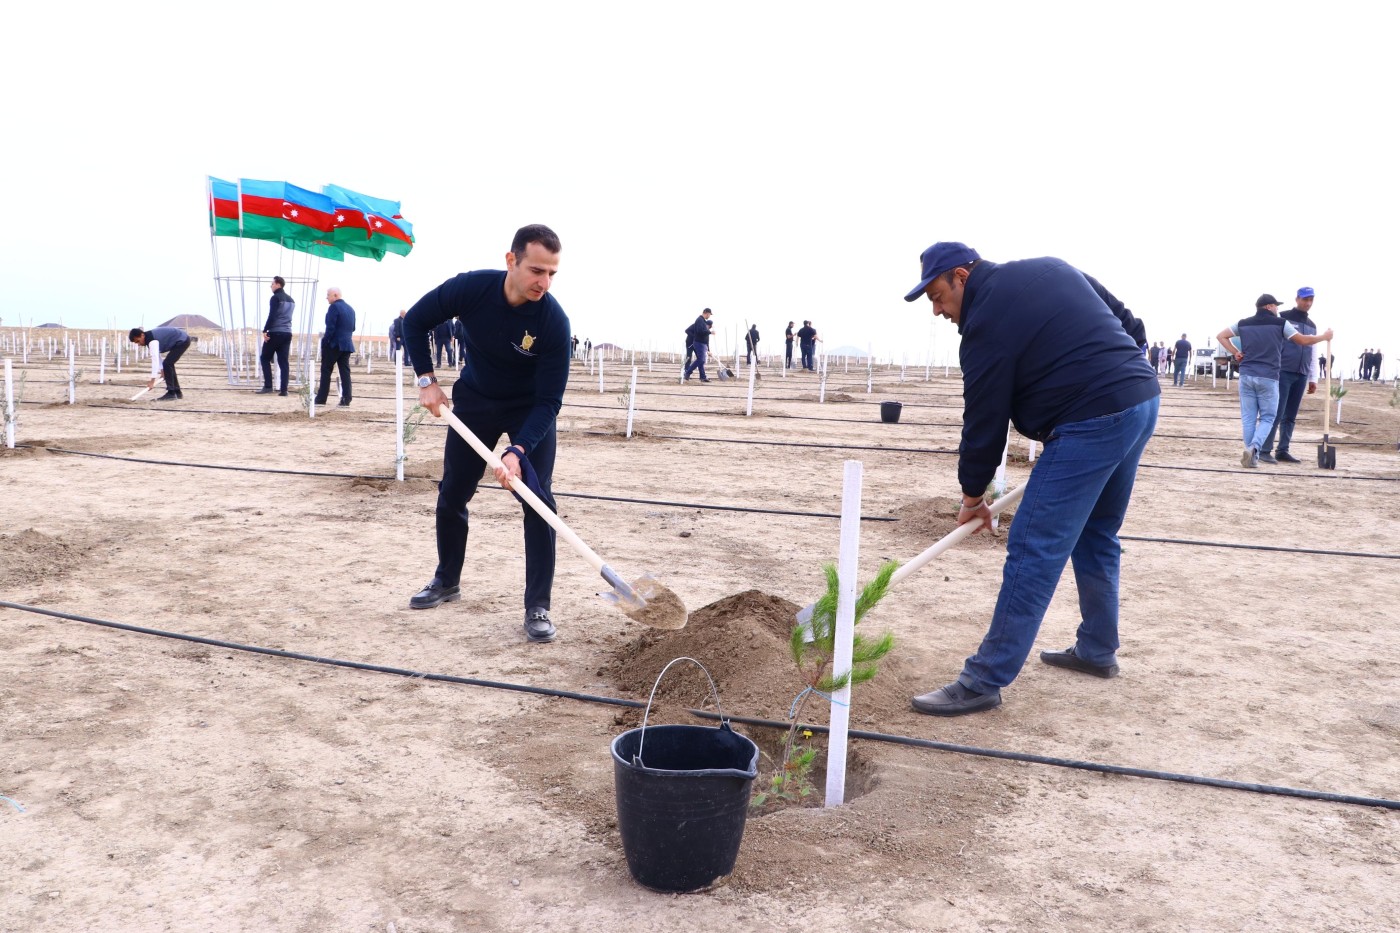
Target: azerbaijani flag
{"points": [[348, 198], [275, 210], [394, 236], [316, 248], [350, 232], [223, 207]]}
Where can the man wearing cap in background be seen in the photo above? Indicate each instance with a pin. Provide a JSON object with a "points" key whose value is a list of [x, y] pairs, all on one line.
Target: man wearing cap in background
{"points": [[1257, 344], [1297, 366], [698, 335], [1049, 349]]}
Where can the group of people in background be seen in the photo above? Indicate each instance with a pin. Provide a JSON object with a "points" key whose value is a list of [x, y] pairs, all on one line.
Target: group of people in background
{"points": [[1370, 364]]}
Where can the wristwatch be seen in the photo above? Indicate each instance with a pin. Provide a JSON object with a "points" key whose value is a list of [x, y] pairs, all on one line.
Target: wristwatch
{"points": [[425, 381]]}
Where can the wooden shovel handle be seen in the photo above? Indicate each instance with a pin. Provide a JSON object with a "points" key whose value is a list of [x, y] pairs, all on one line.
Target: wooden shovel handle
{"points": [[1327, 399], [954, 536], [522, 490]]}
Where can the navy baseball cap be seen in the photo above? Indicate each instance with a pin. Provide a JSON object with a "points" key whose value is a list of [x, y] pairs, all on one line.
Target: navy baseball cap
{"points": [[1305, 292], [938, 259], [1266, 299]]}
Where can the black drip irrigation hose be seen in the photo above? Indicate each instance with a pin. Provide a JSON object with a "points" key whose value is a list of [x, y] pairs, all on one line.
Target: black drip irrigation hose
{"points": [[697, 506], [1260, 547], [889, 738]]}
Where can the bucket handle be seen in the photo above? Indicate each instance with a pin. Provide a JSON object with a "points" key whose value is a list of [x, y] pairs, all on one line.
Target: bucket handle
{"points": [[641, 741]]}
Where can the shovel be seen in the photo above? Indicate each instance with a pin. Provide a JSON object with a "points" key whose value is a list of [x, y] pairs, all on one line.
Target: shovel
{"points": [[804, 616], [1326, 453], [648, 602]]}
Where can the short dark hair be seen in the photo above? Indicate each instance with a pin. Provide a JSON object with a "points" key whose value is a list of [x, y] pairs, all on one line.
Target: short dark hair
{"points": [[534, 233], [948, 276], [279, 280], [135, 332]]}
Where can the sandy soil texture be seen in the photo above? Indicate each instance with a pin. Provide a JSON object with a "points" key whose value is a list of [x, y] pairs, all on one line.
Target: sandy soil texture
{"points": [[181, 785]]}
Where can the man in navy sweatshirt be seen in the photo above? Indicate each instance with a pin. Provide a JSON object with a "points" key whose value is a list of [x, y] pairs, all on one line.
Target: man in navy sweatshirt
{"points": [[1050, 350], [173, 342], [517, 340]]}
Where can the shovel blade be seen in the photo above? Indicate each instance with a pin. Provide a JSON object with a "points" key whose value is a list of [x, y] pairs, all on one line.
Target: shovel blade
{"points": [[1326, 455]]}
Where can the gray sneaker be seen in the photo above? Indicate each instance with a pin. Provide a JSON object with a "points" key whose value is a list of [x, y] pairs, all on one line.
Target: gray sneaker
{"points": [[1250, 457], [537, 625], [1267, 458]]}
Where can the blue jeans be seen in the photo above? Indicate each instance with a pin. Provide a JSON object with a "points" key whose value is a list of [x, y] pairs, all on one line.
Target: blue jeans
{"points": [[1073, 507], [1290, 396], [702, 350], [1179, 376], [1258, 408]]}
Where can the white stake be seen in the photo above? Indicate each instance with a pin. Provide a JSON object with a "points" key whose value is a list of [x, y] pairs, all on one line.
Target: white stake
{"points": [[999, 479], [9, 406], [102, 364], [72, 375], [753, 374], [821, 382], [398, 416], [848, 564], [600, 371], [631, 401], [1031, 454]]}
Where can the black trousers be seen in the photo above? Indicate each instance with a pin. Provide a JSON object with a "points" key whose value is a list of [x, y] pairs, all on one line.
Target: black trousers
{"points": [[277, 344], [462, 470], [167, 366], [332, 358], [788, 356]]}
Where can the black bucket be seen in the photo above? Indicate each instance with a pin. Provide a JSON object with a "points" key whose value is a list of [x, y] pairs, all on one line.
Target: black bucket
{"points": [[889, 411], [682, 800]]}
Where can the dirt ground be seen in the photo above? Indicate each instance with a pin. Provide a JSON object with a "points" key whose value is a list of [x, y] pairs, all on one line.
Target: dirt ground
{"points": [[173, 785]]}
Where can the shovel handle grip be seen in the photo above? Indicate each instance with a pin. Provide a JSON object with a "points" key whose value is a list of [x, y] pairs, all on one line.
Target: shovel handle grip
{"points": [[520, 489], [954, 536]]}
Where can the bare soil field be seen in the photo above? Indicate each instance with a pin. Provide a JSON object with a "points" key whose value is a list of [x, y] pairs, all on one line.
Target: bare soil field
{"points": [[164, 784]]}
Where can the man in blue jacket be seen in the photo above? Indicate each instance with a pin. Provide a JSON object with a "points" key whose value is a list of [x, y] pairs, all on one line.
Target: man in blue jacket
{"points": [[1298, 365], [518, 340], [173, 342], [1050, 350], [336, 347]]}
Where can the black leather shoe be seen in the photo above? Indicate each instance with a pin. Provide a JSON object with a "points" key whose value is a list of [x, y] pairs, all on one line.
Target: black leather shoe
{"points": [[1284, 456], [342, 404], [170, 397], [265, 390], [283, 393], [1068, 659], [955, 700], [537, 625], [434, 594]]}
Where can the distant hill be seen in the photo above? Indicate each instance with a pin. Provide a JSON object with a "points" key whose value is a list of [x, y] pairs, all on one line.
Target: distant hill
{"points": [[191, 320], [847, 351]]}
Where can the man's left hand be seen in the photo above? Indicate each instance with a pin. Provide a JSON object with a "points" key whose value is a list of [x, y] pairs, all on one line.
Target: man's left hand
{"points": [[1312, 387], [511, 469]]}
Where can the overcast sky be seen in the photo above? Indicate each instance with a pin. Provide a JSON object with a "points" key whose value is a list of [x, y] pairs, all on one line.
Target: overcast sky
{"points": [[773, 161]]}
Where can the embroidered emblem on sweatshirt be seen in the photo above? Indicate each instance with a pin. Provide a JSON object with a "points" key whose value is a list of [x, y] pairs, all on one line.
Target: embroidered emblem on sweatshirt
{"points": [[525, 344]]}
